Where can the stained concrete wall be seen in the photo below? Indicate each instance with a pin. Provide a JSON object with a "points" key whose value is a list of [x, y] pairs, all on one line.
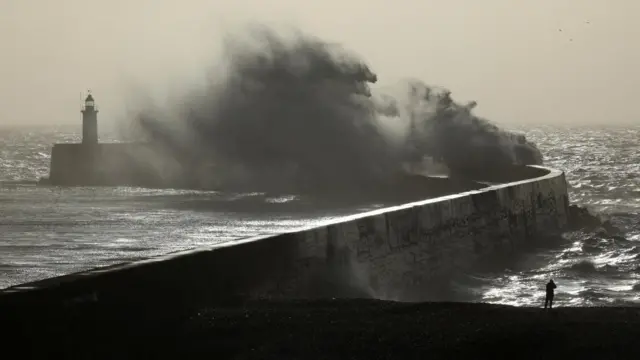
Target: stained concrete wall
{"points": [[392, 253], [397, 253]]}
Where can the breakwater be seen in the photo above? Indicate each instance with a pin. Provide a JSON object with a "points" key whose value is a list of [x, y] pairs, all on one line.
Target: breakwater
{"points": [[393, 253], [111, 164]]}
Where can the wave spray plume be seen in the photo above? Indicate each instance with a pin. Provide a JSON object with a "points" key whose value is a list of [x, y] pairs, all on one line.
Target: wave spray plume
{"points": [[297, 113]]}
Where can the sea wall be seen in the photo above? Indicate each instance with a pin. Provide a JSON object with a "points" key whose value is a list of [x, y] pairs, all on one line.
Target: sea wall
{"points": [[391, 253], [110, 164]]}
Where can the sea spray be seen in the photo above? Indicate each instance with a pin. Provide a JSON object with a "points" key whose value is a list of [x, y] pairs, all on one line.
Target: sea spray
{"points": [[295, 111]]}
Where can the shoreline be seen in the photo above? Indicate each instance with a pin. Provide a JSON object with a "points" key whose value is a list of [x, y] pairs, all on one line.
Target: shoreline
{"points": [[327, 329]]}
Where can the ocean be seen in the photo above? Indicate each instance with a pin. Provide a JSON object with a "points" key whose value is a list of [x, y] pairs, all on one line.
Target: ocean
{"points": [[48, 232]]}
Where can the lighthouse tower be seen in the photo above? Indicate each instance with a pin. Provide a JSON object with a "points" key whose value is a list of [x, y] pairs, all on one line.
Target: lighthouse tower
{"points": [[89, 121]]}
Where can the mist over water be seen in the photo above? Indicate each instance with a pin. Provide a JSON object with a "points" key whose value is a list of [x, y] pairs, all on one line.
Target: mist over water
{"points": [[293, 110]]}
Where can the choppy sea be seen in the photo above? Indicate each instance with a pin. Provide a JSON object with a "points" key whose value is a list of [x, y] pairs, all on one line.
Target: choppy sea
{"points": [[47, 232]]}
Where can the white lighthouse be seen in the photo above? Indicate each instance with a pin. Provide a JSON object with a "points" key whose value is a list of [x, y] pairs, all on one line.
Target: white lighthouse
{"points": [[89, 121]]}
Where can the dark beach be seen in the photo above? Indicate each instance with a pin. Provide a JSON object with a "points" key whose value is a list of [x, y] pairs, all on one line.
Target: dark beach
{"points": [[326, 329]]}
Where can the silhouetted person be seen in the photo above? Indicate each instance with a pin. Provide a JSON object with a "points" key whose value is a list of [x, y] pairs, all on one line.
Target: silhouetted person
{"points": [[551, 286]]}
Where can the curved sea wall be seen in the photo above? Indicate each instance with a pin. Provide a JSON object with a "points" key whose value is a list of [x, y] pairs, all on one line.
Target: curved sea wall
{"points": [[392, 253]]}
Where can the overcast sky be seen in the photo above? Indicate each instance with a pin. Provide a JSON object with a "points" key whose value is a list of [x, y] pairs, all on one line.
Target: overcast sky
{"points": [[524, 61]]}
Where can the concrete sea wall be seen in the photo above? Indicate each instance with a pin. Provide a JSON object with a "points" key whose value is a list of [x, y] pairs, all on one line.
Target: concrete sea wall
{"points": [[391, 253], [111, 164]]}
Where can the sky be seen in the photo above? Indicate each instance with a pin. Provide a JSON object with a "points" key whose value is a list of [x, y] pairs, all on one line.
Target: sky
{"points": [[524, 61]]}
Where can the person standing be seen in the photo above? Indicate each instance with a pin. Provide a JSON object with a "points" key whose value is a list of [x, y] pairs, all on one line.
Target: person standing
{"points": [[551, 286]]}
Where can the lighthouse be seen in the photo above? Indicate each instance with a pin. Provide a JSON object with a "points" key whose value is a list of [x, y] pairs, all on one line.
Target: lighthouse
{"points": [[89, 121]]}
